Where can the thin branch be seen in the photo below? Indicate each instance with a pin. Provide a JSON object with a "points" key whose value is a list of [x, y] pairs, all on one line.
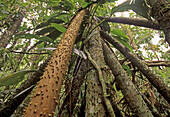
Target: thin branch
{"points": [[27, 53], [37, 43], [168, 62], [156, 63], [152, 64], [133, 21]]}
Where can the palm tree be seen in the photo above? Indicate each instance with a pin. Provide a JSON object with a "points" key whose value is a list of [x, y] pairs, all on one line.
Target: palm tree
{"points": [[96, 82]]}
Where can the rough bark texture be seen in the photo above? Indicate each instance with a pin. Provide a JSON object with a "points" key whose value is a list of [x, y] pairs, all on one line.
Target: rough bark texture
{"points": [[46, 94], [71, 99], [132, 95], [141, 65], [7, 35], [158, 63], [161, 12], [133, 21], [154, 110], [95, 104]]}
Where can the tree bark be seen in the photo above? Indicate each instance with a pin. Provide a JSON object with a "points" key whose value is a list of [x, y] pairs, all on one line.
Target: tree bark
{"points": [[132, 95], [67, 106], [155, 79], [97, 104], [133, 21], [161, 12], [46, 95], [7, 35]]}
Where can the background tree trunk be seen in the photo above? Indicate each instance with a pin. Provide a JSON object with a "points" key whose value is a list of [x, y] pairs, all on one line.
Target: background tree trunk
{"points": [[95, 105], [161, 12], [132, 95], [7, 35], [155, 79]]}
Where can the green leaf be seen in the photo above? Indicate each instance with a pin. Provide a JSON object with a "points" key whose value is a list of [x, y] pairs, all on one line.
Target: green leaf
{"points": [[58, 27], [84, 4], [138, 6], [63, 5], [27, 61], [2, 16], [120, 34], [55, 20], [125, 6], [68, 3], [14, 78], [47, 39], [32, 36], [27, 36], [25, 4], [56, 14], [127, 68], [141, 10], [50, 20], [54, 34], [45, 30], [124, 43]]}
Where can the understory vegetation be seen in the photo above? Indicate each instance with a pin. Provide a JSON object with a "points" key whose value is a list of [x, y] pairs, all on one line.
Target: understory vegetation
{"points": [[77, 58]]}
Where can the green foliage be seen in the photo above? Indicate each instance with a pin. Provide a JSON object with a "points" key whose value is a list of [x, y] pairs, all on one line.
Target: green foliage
{"points": [[58, 27], [49, 21], [45, 31], [32, 36], [127, 68], [121, 37], [14, 78], [9, 10], [120, 34], [84, 4], [43, 25], [138, 6]]}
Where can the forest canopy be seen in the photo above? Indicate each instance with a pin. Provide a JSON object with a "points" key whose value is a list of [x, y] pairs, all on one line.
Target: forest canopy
{"points": [[79, 58]]}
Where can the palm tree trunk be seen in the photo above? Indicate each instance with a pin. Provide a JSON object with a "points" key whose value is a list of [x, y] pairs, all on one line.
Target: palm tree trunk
{"points": [[46, 95]]}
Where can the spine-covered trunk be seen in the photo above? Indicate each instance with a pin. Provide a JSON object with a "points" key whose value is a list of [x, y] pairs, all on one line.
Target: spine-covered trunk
{"points": [[46, 95]]}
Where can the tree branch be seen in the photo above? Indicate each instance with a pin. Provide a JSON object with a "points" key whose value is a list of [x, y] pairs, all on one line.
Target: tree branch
{"points": [[155, 79], [133, 21], [128, 89], [158, 63], [27, 53]]}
